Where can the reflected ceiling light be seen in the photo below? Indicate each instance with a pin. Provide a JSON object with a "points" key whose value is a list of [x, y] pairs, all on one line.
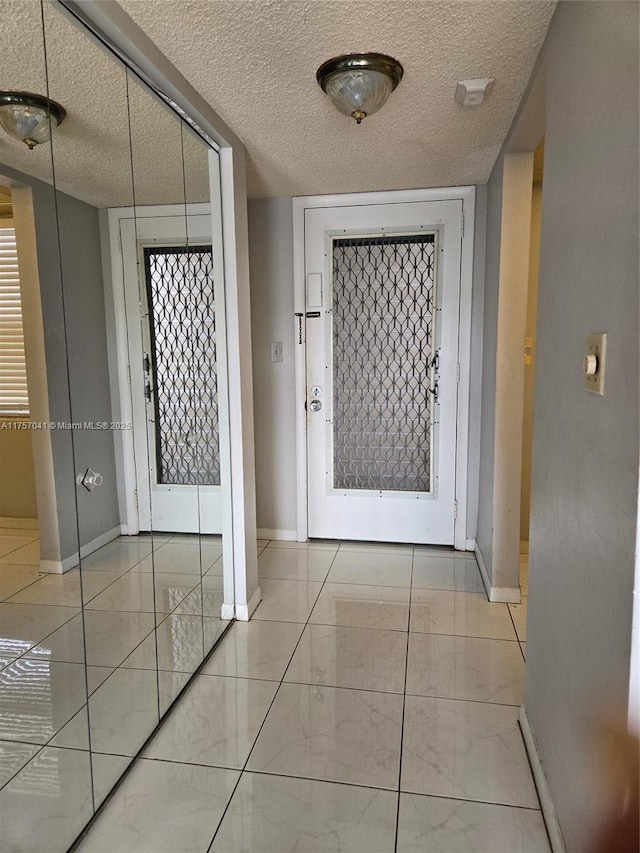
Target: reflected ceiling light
{"points": [[359, 84], [29, 118]]}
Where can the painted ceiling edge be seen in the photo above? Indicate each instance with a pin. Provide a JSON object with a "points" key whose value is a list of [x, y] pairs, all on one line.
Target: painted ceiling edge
{"points": [[108, 21]]}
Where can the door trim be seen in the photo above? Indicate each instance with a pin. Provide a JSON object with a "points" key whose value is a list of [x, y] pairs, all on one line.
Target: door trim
{"points": [[468, 196]]}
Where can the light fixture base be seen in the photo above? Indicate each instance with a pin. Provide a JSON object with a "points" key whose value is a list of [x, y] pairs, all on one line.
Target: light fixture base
{"points": [[359, 84]]}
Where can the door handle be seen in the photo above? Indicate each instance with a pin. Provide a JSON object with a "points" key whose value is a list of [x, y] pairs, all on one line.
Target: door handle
{"points": [[315, 405], [147, 391], [433, 379]]}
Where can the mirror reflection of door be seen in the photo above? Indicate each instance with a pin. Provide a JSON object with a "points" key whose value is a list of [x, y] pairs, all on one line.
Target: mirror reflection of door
{"points": [[168, 281]]}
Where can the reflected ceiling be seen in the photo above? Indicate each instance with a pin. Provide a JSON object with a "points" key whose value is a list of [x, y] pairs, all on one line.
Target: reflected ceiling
{"points": [[92, 148]]}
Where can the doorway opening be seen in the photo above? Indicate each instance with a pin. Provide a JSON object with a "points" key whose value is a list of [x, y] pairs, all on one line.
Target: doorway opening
{"points": [[519, 611]]}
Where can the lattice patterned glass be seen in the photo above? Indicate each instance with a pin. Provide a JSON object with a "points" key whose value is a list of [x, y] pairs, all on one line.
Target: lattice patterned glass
{"points": [[183, 359], [383, 332]]}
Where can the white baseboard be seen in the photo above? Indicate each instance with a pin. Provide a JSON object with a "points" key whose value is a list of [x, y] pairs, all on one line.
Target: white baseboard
{"points": [[470, 545], [546, 803], [228, 611], [245, 611], [59, 567], [502, 594], [282, 535], [19, 523]]}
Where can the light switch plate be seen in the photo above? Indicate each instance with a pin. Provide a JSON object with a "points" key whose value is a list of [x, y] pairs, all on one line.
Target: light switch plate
{"points": [[597, 346], [276, 351]]}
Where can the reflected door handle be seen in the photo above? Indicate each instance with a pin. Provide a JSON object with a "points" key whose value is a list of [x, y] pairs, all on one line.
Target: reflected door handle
{"points": [[146, 363], [90, 479], [147, 391]]}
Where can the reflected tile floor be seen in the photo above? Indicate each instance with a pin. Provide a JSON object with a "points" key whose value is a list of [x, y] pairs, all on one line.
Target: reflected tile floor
{"points": [[46, 773], [370, 705]]}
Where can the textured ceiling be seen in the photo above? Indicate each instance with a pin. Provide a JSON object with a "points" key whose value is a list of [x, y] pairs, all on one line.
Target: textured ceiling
{"points": [[92, 148], [255, 62]]}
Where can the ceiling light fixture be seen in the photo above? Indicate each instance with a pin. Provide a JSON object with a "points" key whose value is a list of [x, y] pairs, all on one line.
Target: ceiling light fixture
{"points": [[29, 118], [359, 84]]}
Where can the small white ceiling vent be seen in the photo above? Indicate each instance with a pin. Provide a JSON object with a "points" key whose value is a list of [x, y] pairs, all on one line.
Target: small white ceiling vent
{"points": [[471, 93]]}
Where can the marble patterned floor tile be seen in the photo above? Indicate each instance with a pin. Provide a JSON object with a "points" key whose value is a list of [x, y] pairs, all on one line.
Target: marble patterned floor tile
{"points": [[9, 544], [312, 544], [332, 734], [465, 668], [215, 722], [305, 564], [181, 558], [463, 613], [162, 808], [458, 826], [97, 675], [373, 568], [110, 636], [216, 569], [287, 601], [64, 590], [357, 606], [123, 712], [13, 757], [519, 615], [15, 578], [27, 555], [177, 646], [170, 685], [452, 573], [205, 599], [106, 770], [255, 649], [465, 750], [274, 814], [38, 697], [45, 806], [376, 547], [118, 556], [24, 625], [135, 592], [361, 658]]}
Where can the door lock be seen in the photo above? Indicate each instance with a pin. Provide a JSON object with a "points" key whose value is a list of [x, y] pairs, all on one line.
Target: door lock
{"points": [[315, 405]]}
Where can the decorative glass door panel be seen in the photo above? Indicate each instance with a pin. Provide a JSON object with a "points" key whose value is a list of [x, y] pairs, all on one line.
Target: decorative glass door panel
{"points": [[383, 291], [383, 325], [179, 284]]}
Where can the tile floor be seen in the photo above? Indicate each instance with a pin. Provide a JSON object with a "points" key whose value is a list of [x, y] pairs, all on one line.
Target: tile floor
{"points": [[45, 770], [369, 707]]}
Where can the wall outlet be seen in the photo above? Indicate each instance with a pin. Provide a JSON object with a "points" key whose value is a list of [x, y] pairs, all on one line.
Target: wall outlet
{"points": [[276, 351], [594, 363]]}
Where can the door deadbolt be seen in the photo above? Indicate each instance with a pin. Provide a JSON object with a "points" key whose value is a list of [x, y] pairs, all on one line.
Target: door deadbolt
{"points": [[316, 391], [315, 405]]}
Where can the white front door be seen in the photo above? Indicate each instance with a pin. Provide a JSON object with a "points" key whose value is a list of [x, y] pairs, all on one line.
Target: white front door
{"points": [[382, 319], [169, 295]]}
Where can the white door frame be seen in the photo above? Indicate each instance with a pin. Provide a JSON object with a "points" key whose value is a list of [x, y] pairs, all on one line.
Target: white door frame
{"points": [[467, 195]]}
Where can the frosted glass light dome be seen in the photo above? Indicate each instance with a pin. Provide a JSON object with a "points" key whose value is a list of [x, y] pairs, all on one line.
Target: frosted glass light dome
{"points": [[29, 118], [359, 84]]}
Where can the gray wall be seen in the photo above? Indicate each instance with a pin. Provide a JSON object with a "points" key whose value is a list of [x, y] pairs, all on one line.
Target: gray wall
{"points": [[271, 264], [585, 453], [78, 296]]}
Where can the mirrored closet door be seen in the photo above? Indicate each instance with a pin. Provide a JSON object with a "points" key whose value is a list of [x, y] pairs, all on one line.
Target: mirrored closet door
{"points": [[116, 580]]}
